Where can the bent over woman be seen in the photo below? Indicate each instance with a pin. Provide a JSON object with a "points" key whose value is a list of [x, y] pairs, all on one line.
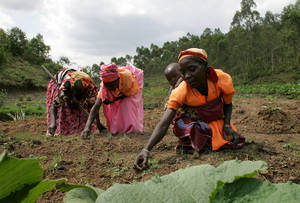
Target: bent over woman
{"points": [[200, 108], [121, 96], [68, 97]]}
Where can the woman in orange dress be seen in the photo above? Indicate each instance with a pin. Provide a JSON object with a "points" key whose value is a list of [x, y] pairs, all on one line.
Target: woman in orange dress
{"points": [[200, 108]]}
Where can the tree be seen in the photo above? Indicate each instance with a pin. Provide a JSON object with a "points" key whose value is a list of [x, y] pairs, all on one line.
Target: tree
{"points": [[246, 17], [63, 60], [37, 51], [128, 59], [3, 46], [291, 22], [17, 41], [119, 61]]}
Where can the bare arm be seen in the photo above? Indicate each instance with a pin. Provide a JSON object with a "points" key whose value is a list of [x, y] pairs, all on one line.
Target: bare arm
{"points": [[160, 129], [158, 133], [53, 113], [228, 133], [227, 113], [94, 112]]}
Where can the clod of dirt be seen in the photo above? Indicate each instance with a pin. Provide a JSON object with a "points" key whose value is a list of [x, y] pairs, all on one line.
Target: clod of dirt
{"points": [[274, 115], [37, 142]]}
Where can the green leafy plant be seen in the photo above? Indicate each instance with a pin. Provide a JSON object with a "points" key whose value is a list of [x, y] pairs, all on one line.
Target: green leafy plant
{"points": [[3, 95], [290, 146], [232, 181], [28, 98], [21, 179], [18, 115], [203, 183]]}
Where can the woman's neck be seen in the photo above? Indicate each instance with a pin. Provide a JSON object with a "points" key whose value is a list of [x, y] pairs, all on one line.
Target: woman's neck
{"points": [[203, 88]]}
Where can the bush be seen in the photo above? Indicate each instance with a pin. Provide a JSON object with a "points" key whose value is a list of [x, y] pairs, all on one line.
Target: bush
{"points": [[28, 98], [3, 58], [3, 95]]}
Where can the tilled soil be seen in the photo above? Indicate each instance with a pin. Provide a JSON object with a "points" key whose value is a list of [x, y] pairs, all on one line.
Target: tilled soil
{"points": [[271, 128]]}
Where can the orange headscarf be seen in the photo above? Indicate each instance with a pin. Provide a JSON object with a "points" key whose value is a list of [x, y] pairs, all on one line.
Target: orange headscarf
{"points": [[193, 52]]}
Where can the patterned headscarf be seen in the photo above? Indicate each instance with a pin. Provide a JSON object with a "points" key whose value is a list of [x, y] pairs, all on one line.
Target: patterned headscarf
{"points": [[109, 72], [201, 53]]}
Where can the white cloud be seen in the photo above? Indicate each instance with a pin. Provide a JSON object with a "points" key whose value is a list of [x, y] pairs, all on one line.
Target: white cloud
{"points": [[5, 21], [28, 5]]}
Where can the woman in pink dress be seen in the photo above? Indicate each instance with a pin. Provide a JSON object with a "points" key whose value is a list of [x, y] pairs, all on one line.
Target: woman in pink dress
{"points": [[121, 96]]}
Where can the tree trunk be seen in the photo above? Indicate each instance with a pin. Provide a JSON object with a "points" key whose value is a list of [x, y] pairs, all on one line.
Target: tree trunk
{"points": [[272, 60]]}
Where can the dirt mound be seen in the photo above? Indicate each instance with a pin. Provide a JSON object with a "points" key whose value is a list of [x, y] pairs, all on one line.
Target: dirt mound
{"points": [[278, 117], [274, 120]]}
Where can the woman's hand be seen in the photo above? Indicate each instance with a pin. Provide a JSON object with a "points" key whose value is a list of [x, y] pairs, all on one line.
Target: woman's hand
{"points": [[230, 135], [101, 128], [51, 130], [141, 161], [106, 101], [85, 134]]}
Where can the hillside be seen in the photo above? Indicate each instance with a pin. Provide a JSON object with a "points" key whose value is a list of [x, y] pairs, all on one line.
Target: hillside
{"points": [[20, 74]]}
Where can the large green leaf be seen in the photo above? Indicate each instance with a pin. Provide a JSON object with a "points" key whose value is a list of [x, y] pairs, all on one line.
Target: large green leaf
{"points": [[192, 184], [253, 190], [39, 189], [15, 173], [81, 195], [67, 187]]}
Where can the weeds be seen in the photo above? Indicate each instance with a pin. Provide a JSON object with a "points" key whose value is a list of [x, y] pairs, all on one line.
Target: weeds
{"points": [[290, 147], [56, 160], [17, 116], [156, 178]]}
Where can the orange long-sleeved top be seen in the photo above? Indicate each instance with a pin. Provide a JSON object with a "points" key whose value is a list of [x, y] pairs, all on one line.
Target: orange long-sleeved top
{"points": [[128, 84]]}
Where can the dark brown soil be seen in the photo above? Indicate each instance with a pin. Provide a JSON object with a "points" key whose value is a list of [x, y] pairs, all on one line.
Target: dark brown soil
{"points": [[272, 130]]}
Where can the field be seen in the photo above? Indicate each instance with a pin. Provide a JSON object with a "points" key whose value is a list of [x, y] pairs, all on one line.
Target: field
{"points": [[271, 126]]}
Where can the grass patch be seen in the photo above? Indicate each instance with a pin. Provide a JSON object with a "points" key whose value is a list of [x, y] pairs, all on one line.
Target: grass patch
{"points": [[288, 90], [155, 92], [30, 110]]}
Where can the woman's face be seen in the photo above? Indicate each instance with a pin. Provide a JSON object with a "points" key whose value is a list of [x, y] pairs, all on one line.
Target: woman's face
{"points": [[112, 85], [193, 72]]}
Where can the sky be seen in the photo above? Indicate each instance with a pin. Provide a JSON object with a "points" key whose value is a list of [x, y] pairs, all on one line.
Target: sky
{"points": [[91, 31]]}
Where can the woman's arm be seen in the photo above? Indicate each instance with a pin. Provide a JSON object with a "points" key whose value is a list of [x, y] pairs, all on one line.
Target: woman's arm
{"points": [[227, 113], [94, 112], [53, 113], [158, 133], [228, 133]]}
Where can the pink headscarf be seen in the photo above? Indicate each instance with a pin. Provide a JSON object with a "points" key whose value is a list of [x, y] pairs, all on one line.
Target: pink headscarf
{"points": [[109, 72]]}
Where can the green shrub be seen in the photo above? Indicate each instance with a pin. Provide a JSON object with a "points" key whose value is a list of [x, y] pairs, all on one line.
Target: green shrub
{"points": [[28, 98], [3, 95]]}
